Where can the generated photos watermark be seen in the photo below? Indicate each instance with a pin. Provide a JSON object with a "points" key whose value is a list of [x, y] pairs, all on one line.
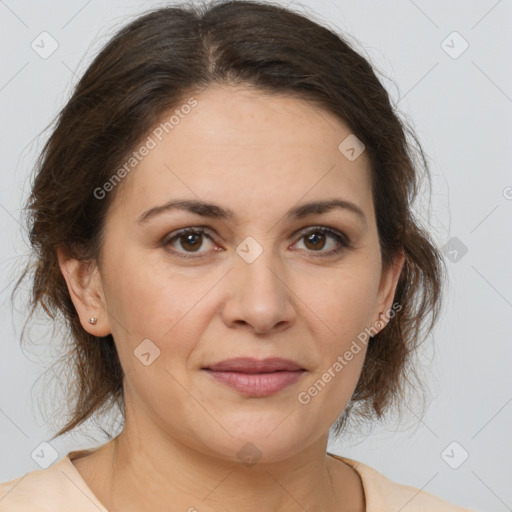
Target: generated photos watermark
{"points": [[305, 397], [152, 141]]}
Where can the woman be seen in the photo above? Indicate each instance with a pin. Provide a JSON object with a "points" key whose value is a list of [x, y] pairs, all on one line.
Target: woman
{"points": [[222, 216]]}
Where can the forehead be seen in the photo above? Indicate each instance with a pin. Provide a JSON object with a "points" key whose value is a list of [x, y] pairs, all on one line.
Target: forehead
{"points": [[248, 149]]}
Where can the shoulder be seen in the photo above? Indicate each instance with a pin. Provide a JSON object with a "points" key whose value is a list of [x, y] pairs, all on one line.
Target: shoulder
{"points": [[381, 493], [58, 488]]}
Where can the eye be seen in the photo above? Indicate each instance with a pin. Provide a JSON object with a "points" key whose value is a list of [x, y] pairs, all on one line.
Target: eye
{"points": [[315, 240], [190, 240]]}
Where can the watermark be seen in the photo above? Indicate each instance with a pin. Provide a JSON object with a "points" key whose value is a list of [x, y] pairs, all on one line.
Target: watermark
{"points": [[454, 249], [44, 454], [351, 147], [454, 45], [44, 45], [304, 397], [146, 352], [249, 454], [454, 455], [249, 249], [151, 142]]}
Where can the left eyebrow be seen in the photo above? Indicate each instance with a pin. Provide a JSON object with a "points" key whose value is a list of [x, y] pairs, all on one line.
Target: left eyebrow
{"points": [[214, 211], [320, 207]]}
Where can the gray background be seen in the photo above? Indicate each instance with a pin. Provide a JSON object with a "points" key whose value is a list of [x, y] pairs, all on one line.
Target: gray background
{"points": [[460, 104]]}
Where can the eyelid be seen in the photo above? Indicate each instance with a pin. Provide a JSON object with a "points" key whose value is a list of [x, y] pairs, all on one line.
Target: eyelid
{"points": [[342, 239], [323, 228], [193, 230], [339, 236]]}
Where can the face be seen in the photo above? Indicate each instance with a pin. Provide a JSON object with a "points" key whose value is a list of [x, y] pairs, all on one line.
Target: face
{"points": [[258, 275]]}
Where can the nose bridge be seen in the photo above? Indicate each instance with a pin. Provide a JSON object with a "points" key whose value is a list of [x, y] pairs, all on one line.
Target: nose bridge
{"points": [[260, 296], [259, 264]]}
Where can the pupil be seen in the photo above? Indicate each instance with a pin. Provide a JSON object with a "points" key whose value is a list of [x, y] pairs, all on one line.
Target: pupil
{"points": [[313, 239], [315, 236], [191, 236]]}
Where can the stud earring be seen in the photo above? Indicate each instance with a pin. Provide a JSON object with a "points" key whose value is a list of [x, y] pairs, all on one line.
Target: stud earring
{"points": [[93, 320]]}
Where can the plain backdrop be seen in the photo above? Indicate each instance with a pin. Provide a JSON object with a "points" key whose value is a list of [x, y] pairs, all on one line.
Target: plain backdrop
{"points": [[447, 68]]}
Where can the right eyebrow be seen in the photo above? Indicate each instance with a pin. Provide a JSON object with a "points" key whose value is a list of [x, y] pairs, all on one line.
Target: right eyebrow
{"points": [[214, 211]]}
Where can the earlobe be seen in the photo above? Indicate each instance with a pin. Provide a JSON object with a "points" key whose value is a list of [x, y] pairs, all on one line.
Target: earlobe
{"points": [[387, 290], [85, 289]]}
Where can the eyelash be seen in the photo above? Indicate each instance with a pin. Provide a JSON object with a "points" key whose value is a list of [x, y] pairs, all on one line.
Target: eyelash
{"points": [[341, 238]]}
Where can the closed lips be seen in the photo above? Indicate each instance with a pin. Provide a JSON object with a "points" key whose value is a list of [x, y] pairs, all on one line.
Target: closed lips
{"points": [[251, 365]]}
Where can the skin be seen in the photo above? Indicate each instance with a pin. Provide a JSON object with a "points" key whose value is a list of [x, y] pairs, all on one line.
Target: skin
{"points": [[259, 155]]}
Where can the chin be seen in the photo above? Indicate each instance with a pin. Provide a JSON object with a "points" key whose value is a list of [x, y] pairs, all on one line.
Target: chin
{"points": [[253, 443]]}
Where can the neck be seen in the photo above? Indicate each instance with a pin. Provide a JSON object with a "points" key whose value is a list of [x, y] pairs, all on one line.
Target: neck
{"points": [[149, 476]]}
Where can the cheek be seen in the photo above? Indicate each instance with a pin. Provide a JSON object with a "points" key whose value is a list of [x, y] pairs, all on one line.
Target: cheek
{"points": [[342, 305], [143, 303]]}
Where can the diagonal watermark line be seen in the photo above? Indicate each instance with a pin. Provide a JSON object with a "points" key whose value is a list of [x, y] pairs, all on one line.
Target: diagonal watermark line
{"points": [[319, 111], [418, 491], [302, 301], [509, 508], [217, 486], [76, 76], [2, 2], [280, 423], [199, 403], [76, 14], [421, 421], [14, 76], [492, 81], [305, 194], [286, 491], [503, 297], [417, 83], [169, 169], [499, 1], [12, 216], [18, 482], [109, 314], [106, 311], [425, 14], [212, 287], [13, 423], [492, 211], [88, 497], [491, 419]]}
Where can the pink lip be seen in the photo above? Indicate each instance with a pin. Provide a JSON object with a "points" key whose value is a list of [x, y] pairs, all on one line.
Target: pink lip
{"points": [[252, 365], [255, 377]]}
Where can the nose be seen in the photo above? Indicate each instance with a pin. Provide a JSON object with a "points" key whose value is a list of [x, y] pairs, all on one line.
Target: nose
{"points": [[258, 297]]}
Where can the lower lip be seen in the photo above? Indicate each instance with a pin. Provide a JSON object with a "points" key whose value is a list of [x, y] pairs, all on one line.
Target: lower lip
{"points": [[257, 384]]}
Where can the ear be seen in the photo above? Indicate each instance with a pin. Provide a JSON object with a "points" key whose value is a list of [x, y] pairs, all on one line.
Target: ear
{"points": [[387, 288], [86, 291]]}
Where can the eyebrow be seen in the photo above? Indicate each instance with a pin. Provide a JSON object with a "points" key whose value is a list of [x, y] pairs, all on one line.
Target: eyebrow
{"points": [[214, 211]]}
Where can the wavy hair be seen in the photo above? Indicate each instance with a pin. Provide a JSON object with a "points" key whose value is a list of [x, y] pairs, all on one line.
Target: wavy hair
{"points": [[147, 69]]}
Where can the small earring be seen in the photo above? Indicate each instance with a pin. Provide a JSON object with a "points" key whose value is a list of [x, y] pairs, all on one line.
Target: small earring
{"points": [[93, 320]]}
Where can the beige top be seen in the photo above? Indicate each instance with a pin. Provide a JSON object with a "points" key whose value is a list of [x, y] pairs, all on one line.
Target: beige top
{"points": [[61, 488]]}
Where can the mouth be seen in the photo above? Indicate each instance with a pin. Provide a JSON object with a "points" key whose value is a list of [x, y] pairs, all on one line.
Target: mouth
{"points": [[256, 378], [252, 365]]}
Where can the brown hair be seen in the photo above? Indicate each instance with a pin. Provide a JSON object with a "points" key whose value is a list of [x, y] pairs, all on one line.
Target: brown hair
{"points": [[147, 69]]}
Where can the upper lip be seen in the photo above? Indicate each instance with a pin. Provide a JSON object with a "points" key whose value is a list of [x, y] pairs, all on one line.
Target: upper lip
{"points": [[252, 365]]}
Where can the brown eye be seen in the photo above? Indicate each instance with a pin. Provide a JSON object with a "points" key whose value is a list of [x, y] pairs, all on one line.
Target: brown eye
{"points": [[187, 241], [317, 238], [191, 241]]}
